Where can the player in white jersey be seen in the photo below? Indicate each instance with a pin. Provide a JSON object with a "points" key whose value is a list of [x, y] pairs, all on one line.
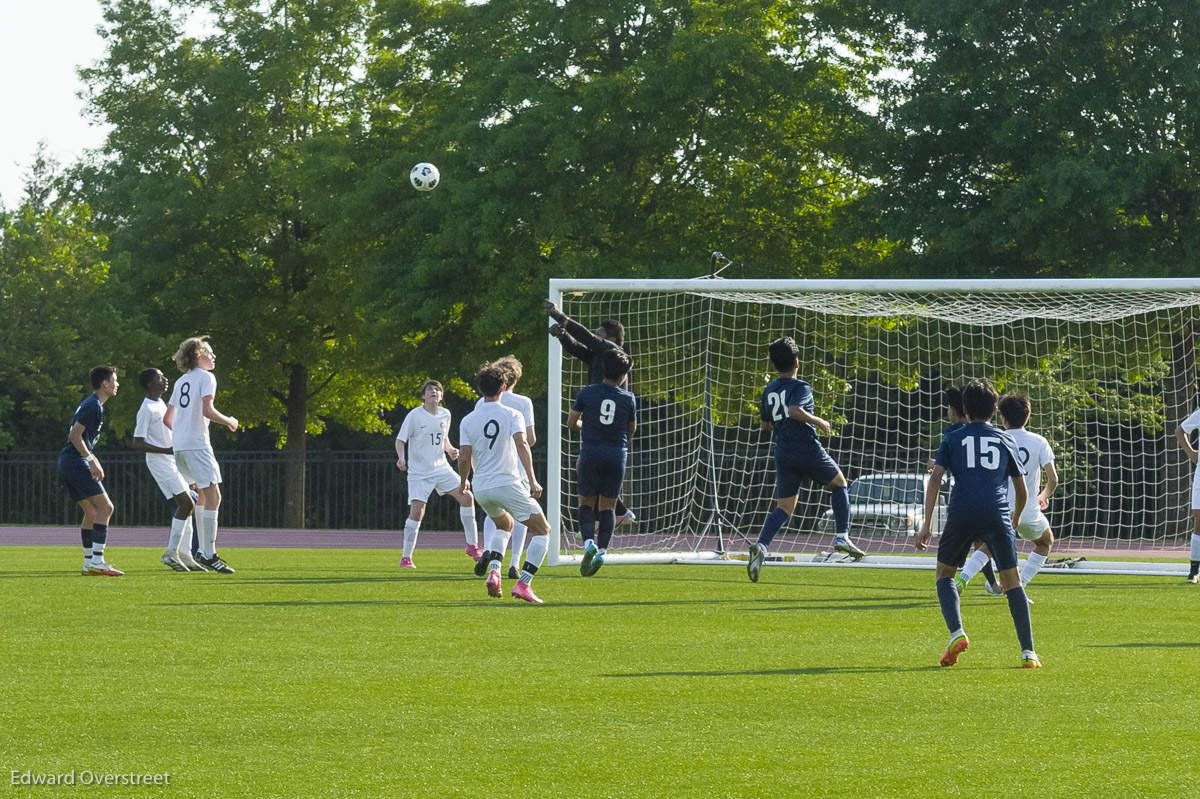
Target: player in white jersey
{"points": [[511, 368], [1036, 457], [1182, 435], [493, 442], [152, 436], [425, 433], [188, 414]]}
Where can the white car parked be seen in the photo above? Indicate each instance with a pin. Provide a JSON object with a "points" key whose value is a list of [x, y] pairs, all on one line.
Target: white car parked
{"points": [[890, 504]]}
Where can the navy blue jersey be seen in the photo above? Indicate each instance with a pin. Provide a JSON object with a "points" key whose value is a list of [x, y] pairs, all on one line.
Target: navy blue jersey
{"points": [[792, 438], [606, 412], [982, 458], [90, 414]]}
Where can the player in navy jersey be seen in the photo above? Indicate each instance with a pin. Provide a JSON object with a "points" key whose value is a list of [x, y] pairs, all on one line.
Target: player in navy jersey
{"points": [[606, 415], [982, 458], [787, 410], [83, 475], [980, 559], [588, 346]]}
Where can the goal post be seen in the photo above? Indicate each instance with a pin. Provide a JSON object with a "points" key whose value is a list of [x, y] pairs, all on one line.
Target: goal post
{"points": [[1109, 365]]}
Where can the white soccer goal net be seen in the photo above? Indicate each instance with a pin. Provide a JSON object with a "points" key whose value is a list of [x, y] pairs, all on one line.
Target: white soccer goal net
{"points": [[1110, 367]]}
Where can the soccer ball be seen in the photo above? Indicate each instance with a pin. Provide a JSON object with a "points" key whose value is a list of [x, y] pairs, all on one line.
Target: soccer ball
{"points": [[424, 177]]}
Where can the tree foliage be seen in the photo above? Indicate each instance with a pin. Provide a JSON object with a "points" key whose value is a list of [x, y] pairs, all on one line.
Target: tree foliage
{"points": [[600, 138], [1046, 141]]}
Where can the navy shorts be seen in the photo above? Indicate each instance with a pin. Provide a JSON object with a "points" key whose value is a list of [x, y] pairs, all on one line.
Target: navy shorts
{"points": [[601, 473], [77, 477], [791, 474], [991, 528]]}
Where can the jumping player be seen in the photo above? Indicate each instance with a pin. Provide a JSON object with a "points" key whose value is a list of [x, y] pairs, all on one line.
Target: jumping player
{"points": [[188, 414], [493, 443], [606, 415], [511, 368], [1036, 457], [426, 434], [153, 437], [82, 473], [587, 347], [787, 410], [982, 458]]}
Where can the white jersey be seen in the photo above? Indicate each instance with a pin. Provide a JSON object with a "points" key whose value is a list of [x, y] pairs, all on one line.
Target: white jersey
{"points": [[150, 427], [190, 424], [1191, 423], [1034, 452], [489, 431], [425, 434], [518, 402]]}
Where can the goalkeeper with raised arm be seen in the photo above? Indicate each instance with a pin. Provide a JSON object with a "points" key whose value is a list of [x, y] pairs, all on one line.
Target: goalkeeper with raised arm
{"points": [[787, 411], [587, 347]]}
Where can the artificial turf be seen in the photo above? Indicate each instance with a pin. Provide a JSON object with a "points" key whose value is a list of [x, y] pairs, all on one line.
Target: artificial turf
{"points": [[331, 673]]}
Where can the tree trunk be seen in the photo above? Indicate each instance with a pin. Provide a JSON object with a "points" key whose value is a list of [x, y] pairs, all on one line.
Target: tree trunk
{"points": [[296, 448]]}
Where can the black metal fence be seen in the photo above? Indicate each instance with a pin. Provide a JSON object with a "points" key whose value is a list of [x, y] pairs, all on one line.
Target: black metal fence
{"points": [[344, 491]]}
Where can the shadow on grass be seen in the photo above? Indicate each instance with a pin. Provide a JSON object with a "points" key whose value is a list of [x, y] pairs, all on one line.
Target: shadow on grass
{"points": [[811, 671], [1146, 645], [298, 603]]}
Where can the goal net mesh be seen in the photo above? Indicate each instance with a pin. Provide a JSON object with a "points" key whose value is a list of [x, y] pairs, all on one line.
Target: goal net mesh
{"points": [[1109, 374]]}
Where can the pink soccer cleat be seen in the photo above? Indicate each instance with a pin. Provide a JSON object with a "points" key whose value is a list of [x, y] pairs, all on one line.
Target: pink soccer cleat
{"points": [[406, 563], [474, 552], [523, 591], [493, 585], [958, 645]]}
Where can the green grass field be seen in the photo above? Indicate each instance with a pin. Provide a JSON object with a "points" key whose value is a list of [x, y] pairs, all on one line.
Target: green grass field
{"points": [[330, 673]]}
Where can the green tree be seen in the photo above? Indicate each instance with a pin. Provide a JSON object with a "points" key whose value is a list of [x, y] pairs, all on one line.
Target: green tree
{"points": [[61, 312], [1046, 140], [206, 187], [601, 138]]}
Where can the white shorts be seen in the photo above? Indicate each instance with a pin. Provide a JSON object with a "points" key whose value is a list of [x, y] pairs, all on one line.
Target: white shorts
{"points": [[166, 474], [444, 480], [198, 466], [1196, 490], [512, 498], [1033, 529]]}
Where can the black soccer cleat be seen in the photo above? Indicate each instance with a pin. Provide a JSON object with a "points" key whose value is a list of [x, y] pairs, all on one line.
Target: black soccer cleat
{"points": [[481, 565], [513, 573], [215, 564]]}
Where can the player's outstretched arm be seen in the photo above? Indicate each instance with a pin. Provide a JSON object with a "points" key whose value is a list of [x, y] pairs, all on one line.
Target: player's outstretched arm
{"points": [[1051, 484], [1185, 441], [932, 489], [210, 412], [526, 456], [1022, 496], [804, 417]]}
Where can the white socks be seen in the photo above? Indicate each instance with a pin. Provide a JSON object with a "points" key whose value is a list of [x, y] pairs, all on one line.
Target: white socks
{"points": [[536, 554], [467, 515], [411, 528], [179, 527], [974, 564], [518, 542], [1033, 565], [206, 521]]}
